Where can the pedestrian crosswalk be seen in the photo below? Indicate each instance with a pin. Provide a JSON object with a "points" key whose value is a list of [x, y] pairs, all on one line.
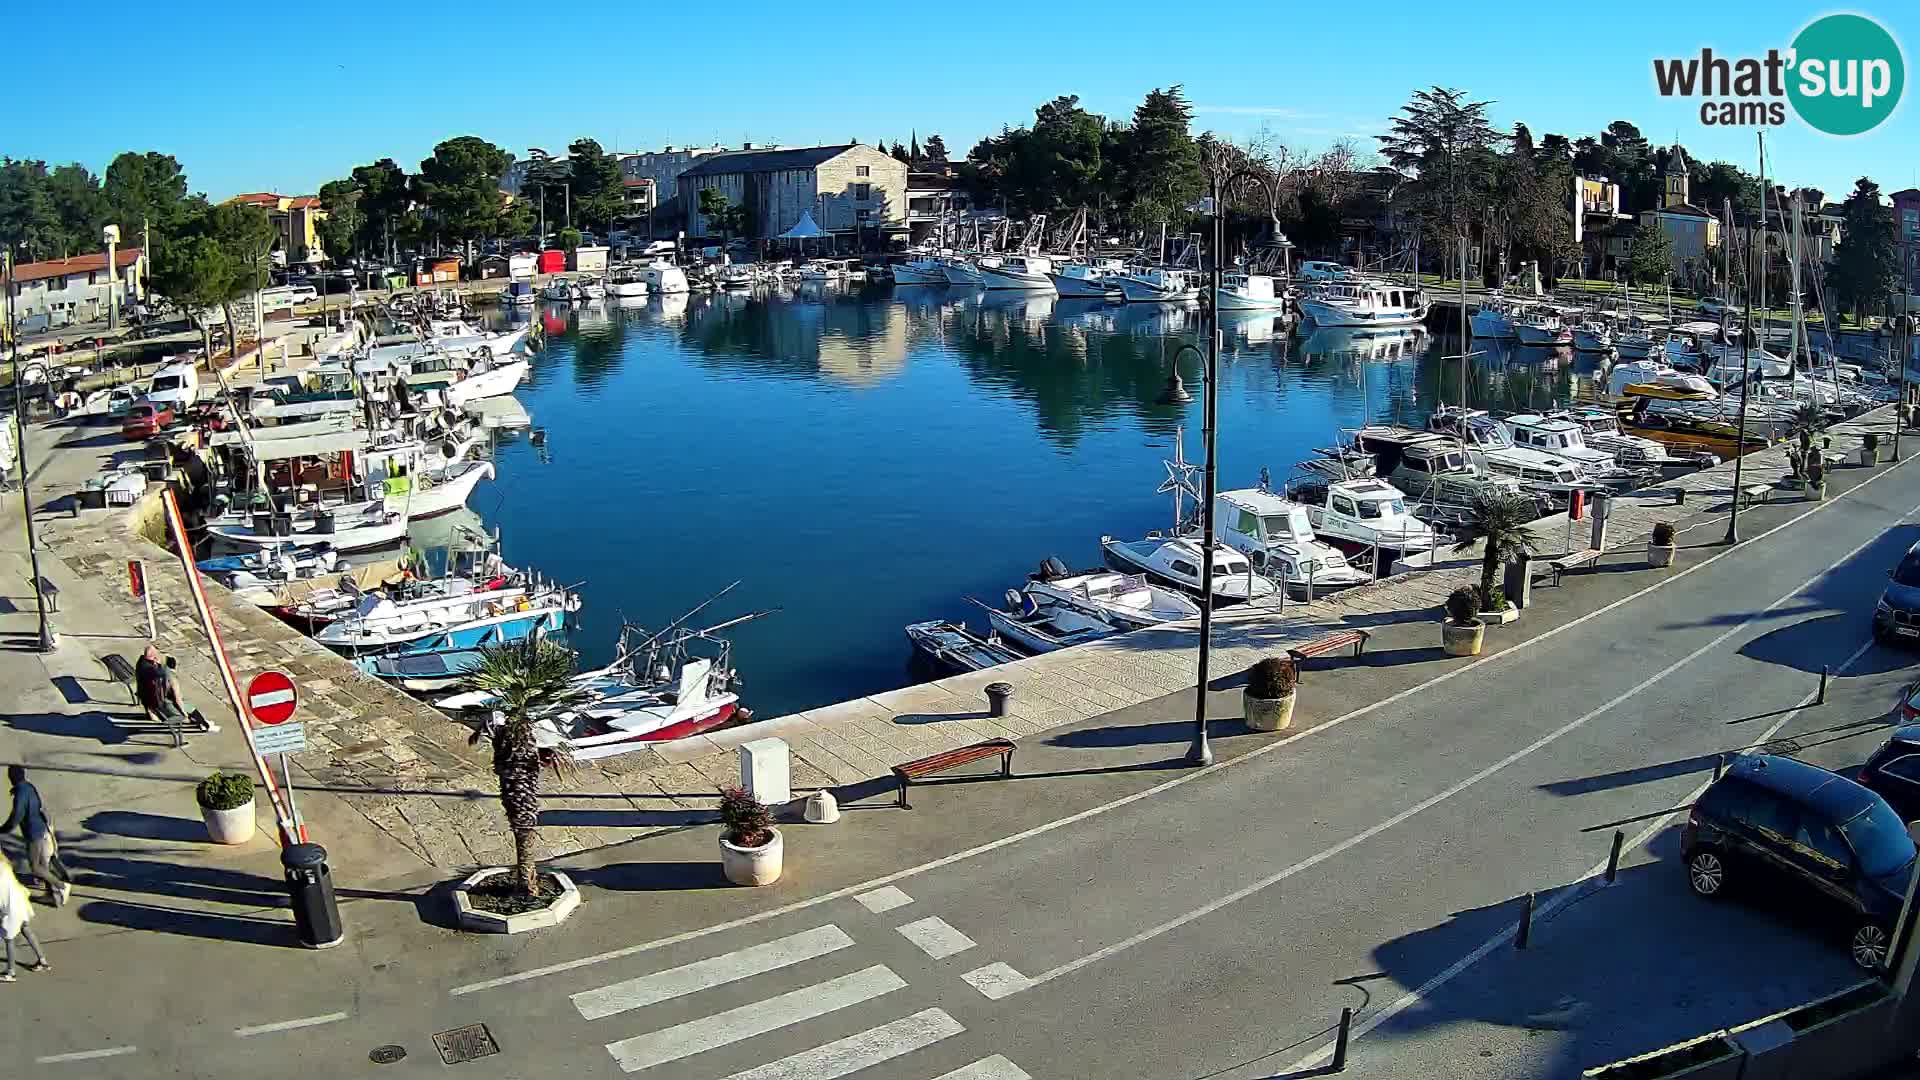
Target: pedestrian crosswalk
{"points": [[871, 988]]}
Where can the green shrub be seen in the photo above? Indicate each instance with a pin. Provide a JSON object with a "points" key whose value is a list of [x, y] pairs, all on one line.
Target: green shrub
{"points": [[1495, 599], [1663, 534], [225, 791], [748, 822], [1463, 604], [1272, 678]]}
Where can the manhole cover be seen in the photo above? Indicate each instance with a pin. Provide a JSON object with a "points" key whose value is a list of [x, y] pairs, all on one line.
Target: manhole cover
{"points": [[387, 1055], [465, 1043]]}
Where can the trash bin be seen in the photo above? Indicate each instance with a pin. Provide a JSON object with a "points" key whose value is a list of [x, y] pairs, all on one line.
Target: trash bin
{"points": [[310, 888], [997, 697], [323, 522]]}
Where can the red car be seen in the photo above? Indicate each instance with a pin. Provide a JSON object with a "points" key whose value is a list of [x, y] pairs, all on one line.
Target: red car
{"points": [[145, 420]]}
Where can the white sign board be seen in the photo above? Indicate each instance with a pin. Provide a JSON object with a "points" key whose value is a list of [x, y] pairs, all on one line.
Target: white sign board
{"points": [[290, 738]]}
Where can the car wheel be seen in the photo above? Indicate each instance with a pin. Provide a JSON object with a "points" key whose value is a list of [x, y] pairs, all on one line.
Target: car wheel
{"points": [[1869, 946], [1706, 873]]}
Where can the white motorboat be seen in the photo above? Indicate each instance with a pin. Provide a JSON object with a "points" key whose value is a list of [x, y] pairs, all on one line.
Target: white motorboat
{"points": [[444, 490], [921, 270], [1129, 601], [1563, 438], [1364, 513], [1159, 285], [1592, 335], [1037, 628], [351, 527], [966, 271], [462, 614], [662, 278], [736, 277], [1176, 561], [592, 289], [1364, 302], [1493, 319], [1248, 292], [1019, 272], [1602, 427], [1639, 337], [487, 377], [1277, 535], [821, 270], [561, 291], [626, 285], [1488, 443], [1092, 279]]}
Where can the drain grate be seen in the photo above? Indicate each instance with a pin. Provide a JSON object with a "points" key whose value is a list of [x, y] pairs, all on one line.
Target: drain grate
{"points": [[386, 1055], [465, 1044]]}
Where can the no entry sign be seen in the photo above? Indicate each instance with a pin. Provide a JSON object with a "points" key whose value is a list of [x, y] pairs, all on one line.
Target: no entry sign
{"points": [[270, 697]]}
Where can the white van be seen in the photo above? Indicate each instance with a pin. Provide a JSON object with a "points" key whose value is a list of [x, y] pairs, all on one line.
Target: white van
{"points": [[176, 384]]}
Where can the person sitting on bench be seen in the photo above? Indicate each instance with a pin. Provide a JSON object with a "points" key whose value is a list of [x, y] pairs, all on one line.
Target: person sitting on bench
{"points": [[160, 695]]}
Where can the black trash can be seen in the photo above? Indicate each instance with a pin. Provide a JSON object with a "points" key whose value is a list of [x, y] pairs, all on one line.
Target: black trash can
{"points": [[323, 522], [310, 888]]}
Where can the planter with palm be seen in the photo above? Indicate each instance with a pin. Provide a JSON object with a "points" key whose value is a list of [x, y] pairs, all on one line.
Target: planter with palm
{"points": [[525, 678], [1499, 522]]}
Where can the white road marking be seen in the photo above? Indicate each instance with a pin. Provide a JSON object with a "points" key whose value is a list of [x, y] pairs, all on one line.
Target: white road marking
{"points": [[996, 981], [1158, 789], [987, 1068], [1587, 883], [936, 937], [288, 1025], [1434, 800], [855, 1052], [886, 899], [85, 1055], [758, 1018], [715, 971]]}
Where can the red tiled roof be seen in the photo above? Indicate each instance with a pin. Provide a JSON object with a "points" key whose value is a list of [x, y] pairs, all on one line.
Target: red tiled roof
{"points": [[257, 198], [79, 264], [304, 202], [636, 181]]}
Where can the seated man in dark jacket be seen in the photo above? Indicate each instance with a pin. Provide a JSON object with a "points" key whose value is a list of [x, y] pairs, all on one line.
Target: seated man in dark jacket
{"points": [[160, 696]]}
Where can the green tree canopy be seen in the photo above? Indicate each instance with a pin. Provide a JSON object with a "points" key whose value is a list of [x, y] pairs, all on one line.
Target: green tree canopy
{"points": [[1444, 140], [934, 150], [1160, 163], [1650, 261], [460, 184], [598, 194], [1865, 268], [346, 222]]}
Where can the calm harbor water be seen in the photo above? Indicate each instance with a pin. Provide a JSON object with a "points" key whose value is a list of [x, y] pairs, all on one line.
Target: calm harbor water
{"points": [[863, 459]]}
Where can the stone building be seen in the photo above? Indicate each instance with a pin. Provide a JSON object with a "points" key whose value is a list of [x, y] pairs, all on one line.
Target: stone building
{"points": [[852, 191]]}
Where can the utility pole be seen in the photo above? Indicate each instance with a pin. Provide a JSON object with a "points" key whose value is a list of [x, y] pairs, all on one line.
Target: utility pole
{"points": [[20, 458], [1201, 753], [1902, 336]]}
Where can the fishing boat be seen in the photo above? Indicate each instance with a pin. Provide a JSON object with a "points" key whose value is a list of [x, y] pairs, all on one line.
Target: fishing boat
{"points": [[1540, 324], [627, 284], [487, 376], [922, 269], [1129, 601], [1364, 302], [314, 602], [1436, 471], [562, 291], [952, 647], [662, 278], [518, 294], [1602, 428], [1486, 440], [1593, 335], [425, 672], [1563, 438], [591, 289], [1278, 538], [273, 558], [1033, 272], [348, 527], [1091, 279], [1493, 319], [965, 270], [736, 277], [1036, 628], [1159, 285], [1177, 561], [1362, 515], [458, 613], [1248, 292], [1640, 336]]}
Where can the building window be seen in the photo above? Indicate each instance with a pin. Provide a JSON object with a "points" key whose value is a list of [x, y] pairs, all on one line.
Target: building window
{"points": [[862, 170], [862, 191]]}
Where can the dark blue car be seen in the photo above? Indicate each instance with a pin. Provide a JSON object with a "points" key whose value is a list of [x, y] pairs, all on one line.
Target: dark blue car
{"points": [[1771, 822], [1897, 616]]}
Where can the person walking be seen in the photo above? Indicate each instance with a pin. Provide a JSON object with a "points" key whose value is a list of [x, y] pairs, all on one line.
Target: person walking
{"points": [[43, 849], [16, 911]]}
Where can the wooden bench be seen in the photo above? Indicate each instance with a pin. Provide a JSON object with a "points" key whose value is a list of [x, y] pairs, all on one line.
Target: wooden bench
{"points": [[1571, 561], [1333, 642], [1751, 492], [953, 759], [52, 593], [122, 672]]}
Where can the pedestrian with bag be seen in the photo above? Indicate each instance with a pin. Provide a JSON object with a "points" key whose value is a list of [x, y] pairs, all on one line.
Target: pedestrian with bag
{"points": [[16, 911], [43, 848]]}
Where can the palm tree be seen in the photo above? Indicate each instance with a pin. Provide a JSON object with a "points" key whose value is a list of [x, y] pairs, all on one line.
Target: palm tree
{"points": [[526, 678], [1500, 520]]}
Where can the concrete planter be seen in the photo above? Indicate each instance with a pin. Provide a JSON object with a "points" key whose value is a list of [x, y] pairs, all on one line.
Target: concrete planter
{"points": [[1507, 614], [1660, 554], [1463, 639], [753, 866], [1517, 585], [1869, 458], [1711, 1057], [233, 826], [487, 922], [1820, 492], [1269, 714]]}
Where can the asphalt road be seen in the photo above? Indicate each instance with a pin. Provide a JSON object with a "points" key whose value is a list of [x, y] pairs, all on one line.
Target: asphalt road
{"points": [[1147, 921]]}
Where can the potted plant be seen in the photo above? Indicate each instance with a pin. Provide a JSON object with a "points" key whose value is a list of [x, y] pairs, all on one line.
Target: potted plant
{"points": [[1817, 479], [226, 805], [1269, 694], [1498, 522], [750, 847], [1463, 633], [1660, 546], [524, 679], [1870, 449]]}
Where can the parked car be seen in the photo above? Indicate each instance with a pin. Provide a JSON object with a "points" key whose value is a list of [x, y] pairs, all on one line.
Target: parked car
{"points": [[1313, 270], [1893, 771], [1716, 306], [1772, 822], [1897, 615], [145, 420]]}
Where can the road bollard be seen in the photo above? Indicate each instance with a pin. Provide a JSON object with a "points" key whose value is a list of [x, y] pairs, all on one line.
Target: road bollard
{"points": [[1525, 933], [1613, 859], [1825, 673], [1340, 1041]]}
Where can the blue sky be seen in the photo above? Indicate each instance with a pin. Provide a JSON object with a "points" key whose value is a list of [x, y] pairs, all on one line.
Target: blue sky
{"points": [[253, 97]]}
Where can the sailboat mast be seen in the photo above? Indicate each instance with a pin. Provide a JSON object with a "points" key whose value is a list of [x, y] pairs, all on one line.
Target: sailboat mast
{"points": [[1466, 341], [1761, 268]]}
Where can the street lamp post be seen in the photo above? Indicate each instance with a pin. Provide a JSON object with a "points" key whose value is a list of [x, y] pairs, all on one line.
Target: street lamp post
{"points": [[20, 458], [1740, 439]]}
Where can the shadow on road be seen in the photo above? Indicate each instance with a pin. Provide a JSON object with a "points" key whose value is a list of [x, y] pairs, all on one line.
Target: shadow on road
{"points": [[144, 826], [1628, 777]]}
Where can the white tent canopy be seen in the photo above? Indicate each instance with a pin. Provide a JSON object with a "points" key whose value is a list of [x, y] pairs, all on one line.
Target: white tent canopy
{"points": [[804, 229]]}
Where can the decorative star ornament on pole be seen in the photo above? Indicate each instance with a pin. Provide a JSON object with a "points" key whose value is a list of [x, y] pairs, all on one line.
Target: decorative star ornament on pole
{"points": [[1179, 479]]}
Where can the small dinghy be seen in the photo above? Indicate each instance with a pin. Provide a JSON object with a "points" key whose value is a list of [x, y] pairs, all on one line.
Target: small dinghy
{"points": [[953, 647]]}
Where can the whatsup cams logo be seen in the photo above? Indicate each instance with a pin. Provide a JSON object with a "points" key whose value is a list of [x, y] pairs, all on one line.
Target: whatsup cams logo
{"points": [[1842, 75]]}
